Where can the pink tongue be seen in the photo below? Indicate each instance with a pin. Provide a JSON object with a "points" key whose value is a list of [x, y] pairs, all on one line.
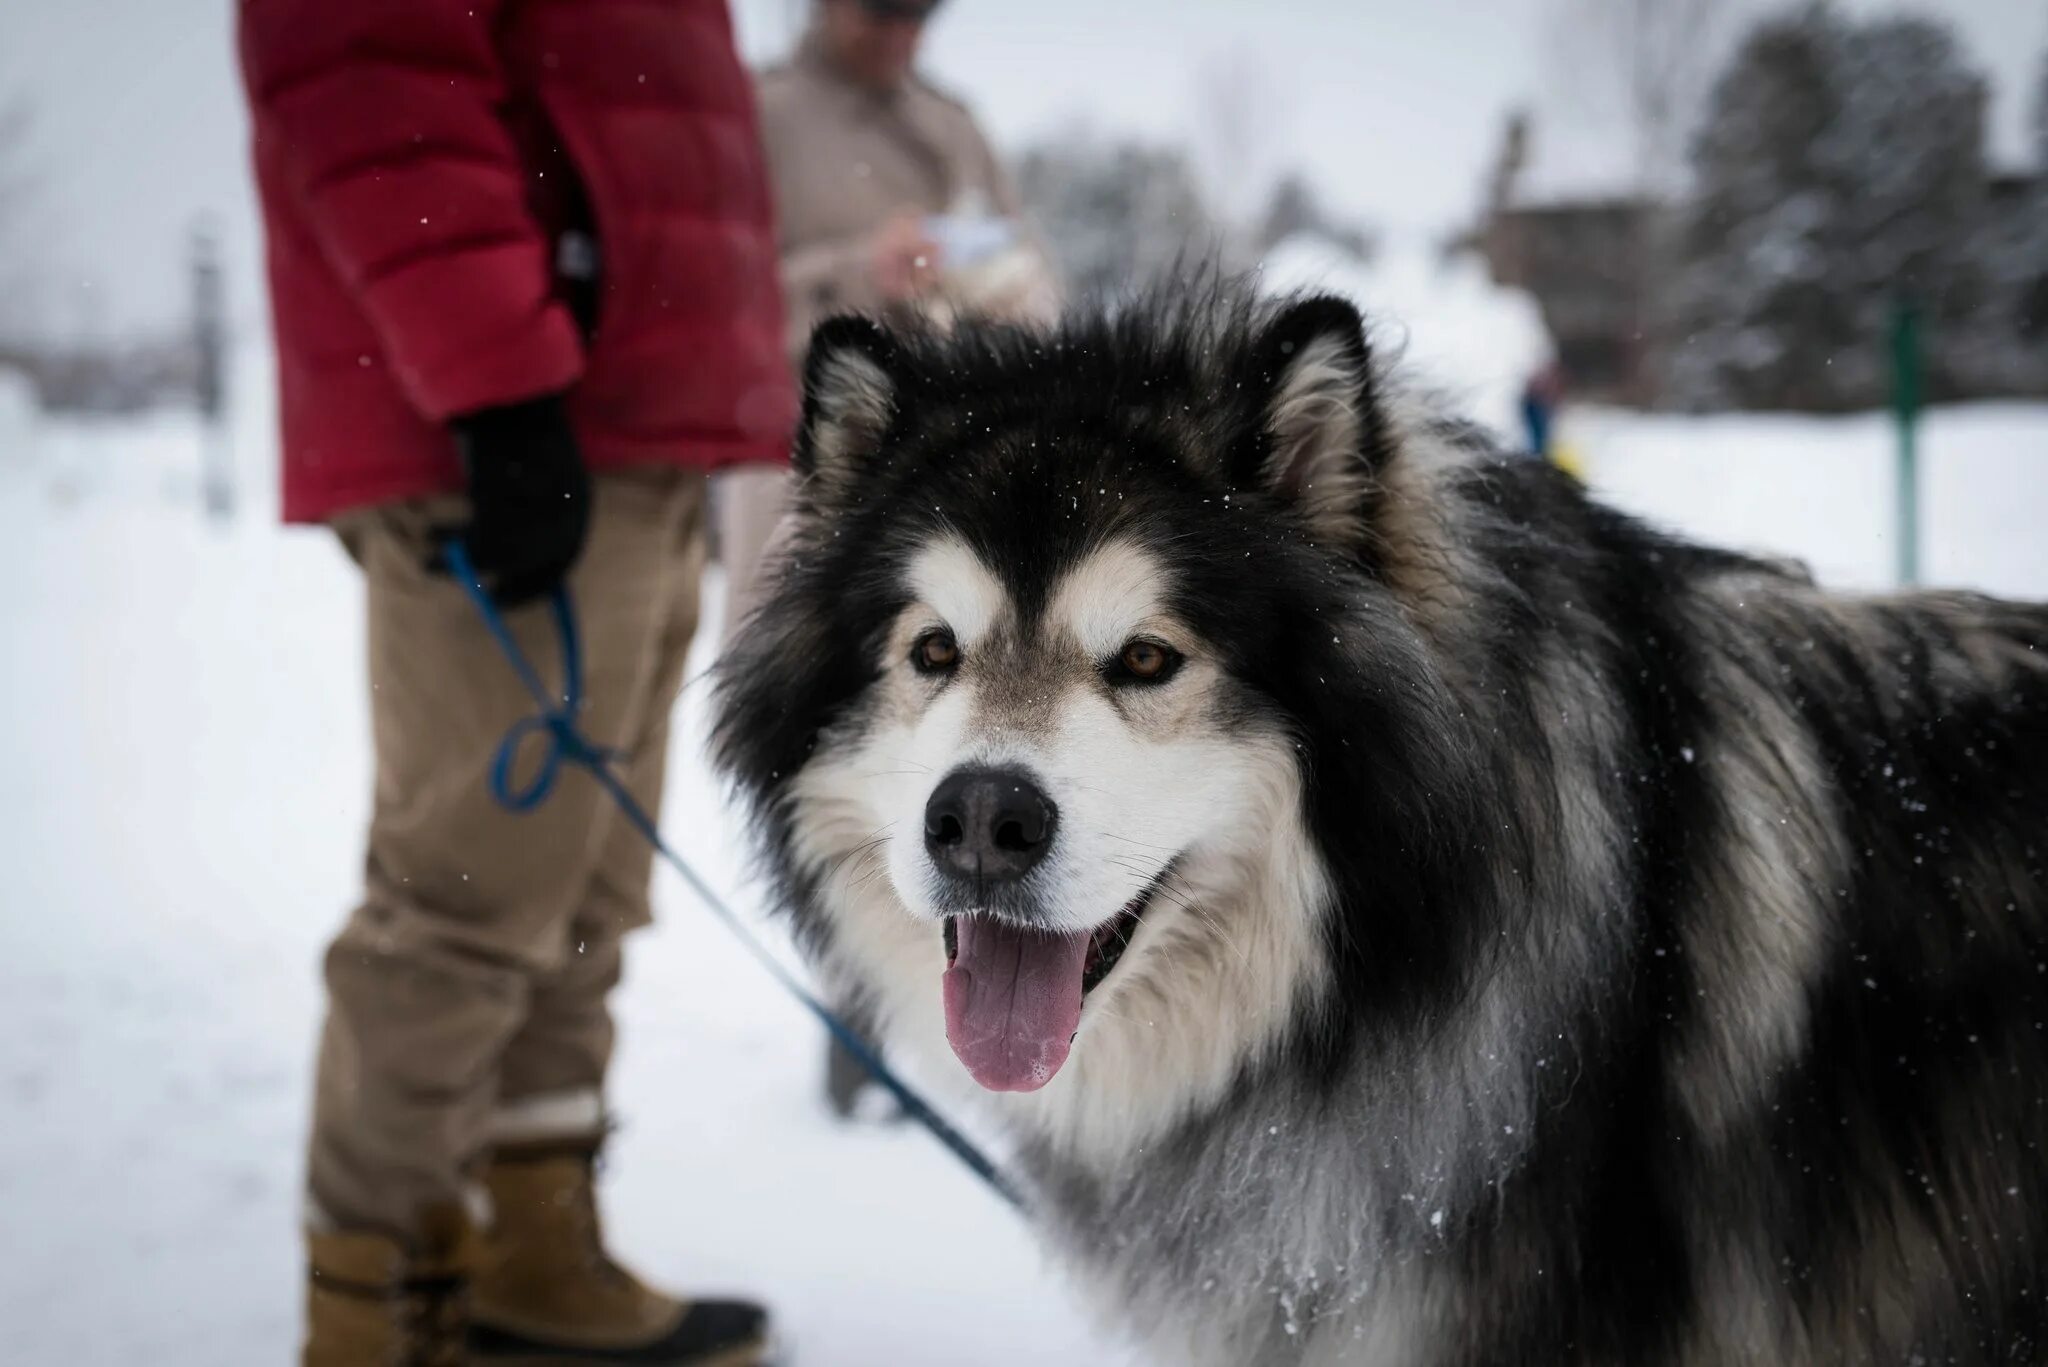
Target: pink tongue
{"points": [[1013, 1001]]}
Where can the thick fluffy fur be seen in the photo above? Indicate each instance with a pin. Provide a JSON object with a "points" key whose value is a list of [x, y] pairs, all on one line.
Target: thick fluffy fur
{"points": [[1577, 945]]}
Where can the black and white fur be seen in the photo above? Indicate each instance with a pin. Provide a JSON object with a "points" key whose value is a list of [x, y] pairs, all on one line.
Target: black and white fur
{"points": [[1576, 945]]}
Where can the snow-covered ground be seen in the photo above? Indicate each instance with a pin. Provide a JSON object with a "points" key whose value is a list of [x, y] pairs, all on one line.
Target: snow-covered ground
{"points": [[1824, 489], [182, 788]]}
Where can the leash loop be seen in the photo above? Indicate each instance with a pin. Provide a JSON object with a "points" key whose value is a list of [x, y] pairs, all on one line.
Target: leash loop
{"points": [[562, 743]]}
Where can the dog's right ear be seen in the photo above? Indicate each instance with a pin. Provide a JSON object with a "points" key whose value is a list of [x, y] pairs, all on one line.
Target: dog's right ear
{"points": [[1320, 444], [849, 402]]}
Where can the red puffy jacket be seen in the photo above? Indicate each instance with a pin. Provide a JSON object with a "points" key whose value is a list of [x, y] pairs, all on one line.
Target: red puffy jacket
{"points": [[418, 162]]}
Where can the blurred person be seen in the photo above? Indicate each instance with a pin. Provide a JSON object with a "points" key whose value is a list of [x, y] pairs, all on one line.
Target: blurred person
{"points": [[888, 200], [872, 168], [523, 281], [1541, 397]]}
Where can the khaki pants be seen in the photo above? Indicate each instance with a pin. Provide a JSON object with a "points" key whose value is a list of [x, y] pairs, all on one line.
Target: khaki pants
{"points": [[466, 995], [752, 500]]}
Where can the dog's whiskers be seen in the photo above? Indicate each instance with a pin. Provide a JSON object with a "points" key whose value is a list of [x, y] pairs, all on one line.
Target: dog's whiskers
{"points": [[1186, 902], [1105, 1013], [862, 852], [1165, 890], [866, 878], [1165, 849], [1223, 936]]}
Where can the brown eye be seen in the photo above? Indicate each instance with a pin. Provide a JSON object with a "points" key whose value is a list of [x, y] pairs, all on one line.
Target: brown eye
{"points": [[936, 652], [1146, 662]]}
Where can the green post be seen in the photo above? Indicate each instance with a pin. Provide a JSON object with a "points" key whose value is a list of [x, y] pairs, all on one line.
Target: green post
{"points": [[1906, 411]]}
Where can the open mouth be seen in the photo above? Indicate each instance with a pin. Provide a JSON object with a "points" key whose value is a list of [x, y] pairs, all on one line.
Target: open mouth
{"points": [[1105, 946], [1013, 994]]}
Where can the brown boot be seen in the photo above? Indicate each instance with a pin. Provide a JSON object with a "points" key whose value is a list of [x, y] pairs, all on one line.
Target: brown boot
{"points": [[546, 1291], [372, 1301]]}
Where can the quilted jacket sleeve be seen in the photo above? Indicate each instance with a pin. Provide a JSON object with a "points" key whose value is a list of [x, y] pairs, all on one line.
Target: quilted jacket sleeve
{"points": [[414, 188]]}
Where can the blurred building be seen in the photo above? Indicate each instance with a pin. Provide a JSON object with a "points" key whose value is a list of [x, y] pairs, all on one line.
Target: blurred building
{"points": [[1600, 266], [1590, 262], [2010, 356], [1590, 265]]}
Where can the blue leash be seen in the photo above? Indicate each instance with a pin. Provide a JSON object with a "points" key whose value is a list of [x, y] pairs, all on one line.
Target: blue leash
{"points": [[565, 744]]}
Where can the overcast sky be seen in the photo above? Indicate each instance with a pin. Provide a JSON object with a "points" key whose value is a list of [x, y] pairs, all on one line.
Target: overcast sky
{"points": [[1394, 109]]}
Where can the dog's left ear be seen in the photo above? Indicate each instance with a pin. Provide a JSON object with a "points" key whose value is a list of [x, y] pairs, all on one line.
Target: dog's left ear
{"points": [[1319, 442], [849, 403]]}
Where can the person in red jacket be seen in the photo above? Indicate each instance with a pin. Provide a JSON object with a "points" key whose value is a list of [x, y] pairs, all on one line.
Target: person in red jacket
{"points": [[523, 277]]}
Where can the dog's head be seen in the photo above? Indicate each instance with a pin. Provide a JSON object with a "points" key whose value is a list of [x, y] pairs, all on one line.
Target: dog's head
{"points": [[1033, 713]]}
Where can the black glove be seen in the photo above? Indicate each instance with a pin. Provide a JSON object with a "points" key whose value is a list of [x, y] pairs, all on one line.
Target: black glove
{"points": [[529, 496]]}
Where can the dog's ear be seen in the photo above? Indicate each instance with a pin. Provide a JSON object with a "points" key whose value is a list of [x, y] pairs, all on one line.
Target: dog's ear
{"points": [[1319, 439], [849, 402]]}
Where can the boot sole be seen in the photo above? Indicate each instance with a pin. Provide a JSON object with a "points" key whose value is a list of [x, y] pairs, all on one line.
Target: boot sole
{"points": [[759, 1353]]}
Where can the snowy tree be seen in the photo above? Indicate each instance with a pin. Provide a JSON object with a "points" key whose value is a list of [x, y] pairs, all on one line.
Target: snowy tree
{"points": [[2017, 255], [15, 186], [1239, 124], [1645, 64], [1295, 208], [13, 139], [2023, 277], [1839, 171], [2041, 118], [1117, 214], [2005, 350]]}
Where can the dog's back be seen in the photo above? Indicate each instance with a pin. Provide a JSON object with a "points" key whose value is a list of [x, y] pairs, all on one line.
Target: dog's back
{"points": [[1817, 1125], [1885, 1187], [1812, 1122]]}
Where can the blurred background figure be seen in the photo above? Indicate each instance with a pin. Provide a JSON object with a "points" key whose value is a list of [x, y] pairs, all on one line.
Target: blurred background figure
{"points": [[888, 198], [886, 192], [439, 262], [1540, 400], [1542, 405]]}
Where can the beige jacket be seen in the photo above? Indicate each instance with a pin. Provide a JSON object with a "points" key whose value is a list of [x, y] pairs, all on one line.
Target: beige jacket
{"points": [[843, 159]]}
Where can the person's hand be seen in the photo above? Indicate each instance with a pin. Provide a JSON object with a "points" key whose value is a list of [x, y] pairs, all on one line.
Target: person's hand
{"points": [[902, 261], [529, 497]]}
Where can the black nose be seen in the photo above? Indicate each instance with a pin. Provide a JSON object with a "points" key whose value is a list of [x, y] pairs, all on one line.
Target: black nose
{"points": [[988, 825]]}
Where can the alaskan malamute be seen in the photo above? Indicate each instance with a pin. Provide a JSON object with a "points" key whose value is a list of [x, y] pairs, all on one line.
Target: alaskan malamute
{"points": [[1404, 911]]}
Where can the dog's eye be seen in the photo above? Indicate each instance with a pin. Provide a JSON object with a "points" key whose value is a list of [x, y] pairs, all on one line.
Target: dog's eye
{"points": [[936, 652], [1145, 662]]}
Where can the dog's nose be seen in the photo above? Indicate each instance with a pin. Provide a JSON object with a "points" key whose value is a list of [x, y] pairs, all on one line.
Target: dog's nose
{"points": [[988, 825]]}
